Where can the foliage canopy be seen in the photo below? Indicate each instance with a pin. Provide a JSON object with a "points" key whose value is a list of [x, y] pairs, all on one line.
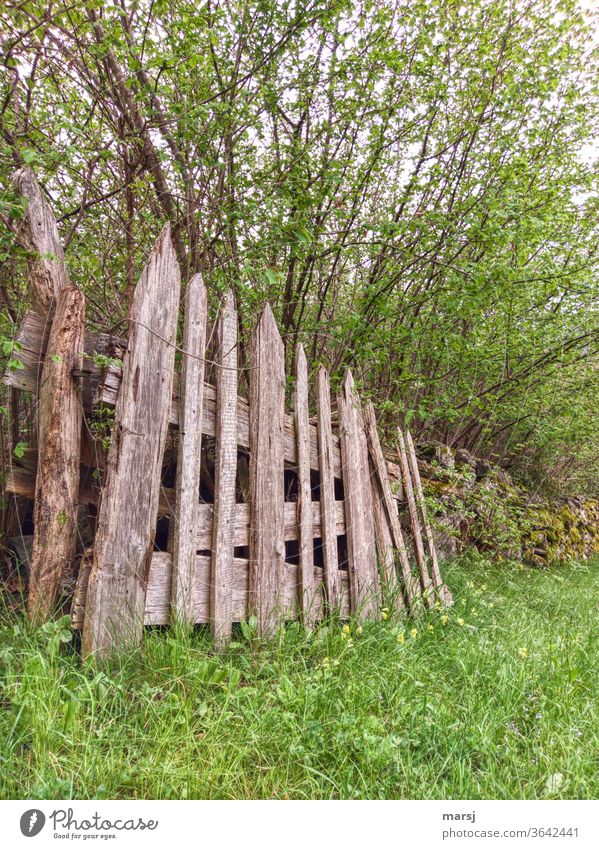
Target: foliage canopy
{"points": [[412, 184]]}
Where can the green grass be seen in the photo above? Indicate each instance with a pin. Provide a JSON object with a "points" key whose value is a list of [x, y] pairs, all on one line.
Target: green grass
{"points": [[502, 706]]}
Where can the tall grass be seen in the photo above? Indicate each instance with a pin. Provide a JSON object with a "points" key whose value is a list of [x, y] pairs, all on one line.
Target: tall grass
{"points": [[497, 698]]}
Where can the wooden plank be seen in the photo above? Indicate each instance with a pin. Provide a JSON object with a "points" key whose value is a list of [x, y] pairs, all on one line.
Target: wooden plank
{"points": [[304, 504], [425, 580], [37, 232], [384, 547], [410, 582], [106, 382], [20, 480], [187, 487], [327, 489], [158, 608], [32, 337], [117, 585], [441, 588], [363, 575], [267, 412], [59, 436], [225, 474]]}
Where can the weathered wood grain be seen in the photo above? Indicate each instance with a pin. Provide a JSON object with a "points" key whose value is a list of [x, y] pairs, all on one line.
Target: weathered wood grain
{"points": [[20, 480], [117, 585], [410, 581], [304, 503], [327, 488], [425, 580], [32, 337], [187, 487], [38, 234], [266, 419], [59, 436], [441, 588], [158, 609], [225, 474], [105, 383], [363, 575], [384, 547]]}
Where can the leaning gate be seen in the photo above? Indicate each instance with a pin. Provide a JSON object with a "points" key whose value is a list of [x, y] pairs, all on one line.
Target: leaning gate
{"points": [[300, 517]]}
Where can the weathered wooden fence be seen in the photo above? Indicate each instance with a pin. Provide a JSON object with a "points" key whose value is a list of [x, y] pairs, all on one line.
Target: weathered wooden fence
{"points": [[303, 519]]}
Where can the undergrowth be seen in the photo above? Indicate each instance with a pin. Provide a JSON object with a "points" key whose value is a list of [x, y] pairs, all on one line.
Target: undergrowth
{"points": [[495, 698]]}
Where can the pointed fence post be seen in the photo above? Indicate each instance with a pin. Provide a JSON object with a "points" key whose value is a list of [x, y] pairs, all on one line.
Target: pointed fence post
{"points": [[187, 487], [225, 475], [305, 516], [440, 587], [363, 574], [266, 430], [328, 522], [425, 580], [114, 613], [57, 482], [410, 581], [37, 232]]}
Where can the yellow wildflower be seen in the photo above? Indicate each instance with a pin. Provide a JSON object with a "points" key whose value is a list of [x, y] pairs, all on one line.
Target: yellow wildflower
{"points": [[385, 612], [359, 629], [444, 620], [430, 628], [523, 652], [414, 633], [401, 638], [460, 621], [346, 629]]}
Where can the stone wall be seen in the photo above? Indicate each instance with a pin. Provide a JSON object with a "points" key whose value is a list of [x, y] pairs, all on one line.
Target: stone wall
{"points": [[474, 503]]}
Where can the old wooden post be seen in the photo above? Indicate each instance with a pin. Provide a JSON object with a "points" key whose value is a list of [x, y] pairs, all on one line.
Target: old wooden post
{"points": [[382, 529], [363, 575], [115, 601], [305, 524], [57, 482], [191, 402], [225, 473], [37, 232], [440, 587], [266, 420], [376, 452], [327, 489], [425, 580]]}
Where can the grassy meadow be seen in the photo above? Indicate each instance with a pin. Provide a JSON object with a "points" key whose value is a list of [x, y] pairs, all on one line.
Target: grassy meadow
{"points": [[495, 698]]}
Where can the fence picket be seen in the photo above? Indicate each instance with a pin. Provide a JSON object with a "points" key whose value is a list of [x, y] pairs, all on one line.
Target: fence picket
{"points": [[363, 576], [327, 489], [440, 587], [225, 473], [124, 539], [190, 443], [425, 580], [266, 420], [409, 580], [306, 530]]}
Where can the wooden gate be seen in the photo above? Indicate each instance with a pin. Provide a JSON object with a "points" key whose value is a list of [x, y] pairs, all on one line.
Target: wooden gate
{"points": [[303, 518]]}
